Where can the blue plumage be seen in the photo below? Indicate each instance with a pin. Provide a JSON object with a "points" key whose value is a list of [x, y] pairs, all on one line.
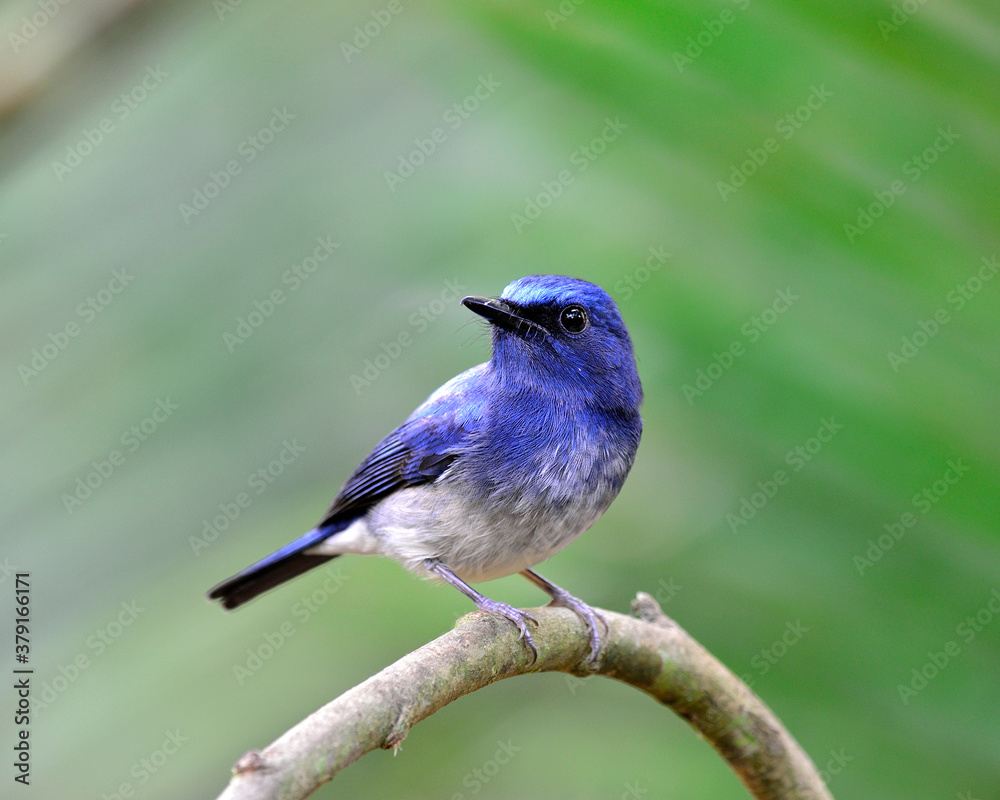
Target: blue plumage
{"points": [[502, 466]]}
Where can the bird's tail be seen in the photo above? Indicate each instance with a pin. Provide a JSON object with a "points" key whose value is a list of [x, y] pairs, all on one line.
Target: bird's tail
{"points": [[280, 566]]}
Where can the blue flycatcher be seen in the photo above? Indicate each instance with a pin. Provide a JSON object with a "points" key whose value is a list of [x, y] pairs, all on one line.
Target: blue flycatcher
{"points": [[502, 466]]}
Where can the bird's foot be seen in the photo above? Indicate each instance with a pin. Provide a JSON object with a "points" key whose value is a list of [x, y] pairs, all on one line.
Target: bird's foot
{"points": [[483, 603], [518, 617], [560, 597]]}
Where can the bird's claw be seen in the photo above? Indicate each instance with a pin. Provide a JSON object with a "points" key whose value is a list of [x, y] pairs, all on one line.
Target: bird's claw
{"points": [[588, 615], [519, 618]]}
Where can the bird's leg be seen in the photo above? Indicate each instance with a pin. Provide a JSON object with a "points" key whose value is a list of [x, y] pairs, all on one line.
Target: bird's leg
{"points": [[483, 603], [560, 597]]}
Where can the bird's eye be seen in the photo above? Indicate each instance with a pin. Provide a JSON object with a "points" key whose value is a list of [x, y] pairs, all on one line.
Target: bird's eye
{"points": [[573, 319]]}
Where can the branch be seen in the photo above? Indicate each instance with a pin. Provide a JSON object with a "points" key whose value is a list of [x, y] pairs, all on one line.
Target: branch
{"points": [[650, 652]]}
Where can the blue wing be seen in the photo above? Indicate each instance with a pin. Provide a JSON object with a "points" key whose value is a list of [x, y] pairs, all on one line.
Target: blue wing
{"points": [[419, 451]]}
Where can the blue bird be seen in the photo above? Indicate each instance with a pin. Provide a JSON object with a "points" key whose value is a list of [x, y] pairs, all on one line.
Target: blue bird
{"points": [[500, 468]]}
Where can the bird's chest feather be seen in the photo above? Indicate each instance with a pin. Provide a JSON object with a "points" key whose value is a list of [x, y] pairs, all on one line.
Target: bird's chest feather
{"points": [[548, 460], [523, 490]]}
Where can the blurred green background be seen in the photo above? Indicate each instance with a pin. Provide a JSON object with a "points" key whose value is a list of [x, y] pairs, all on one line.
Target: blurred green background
{"points": [[795, 206]]}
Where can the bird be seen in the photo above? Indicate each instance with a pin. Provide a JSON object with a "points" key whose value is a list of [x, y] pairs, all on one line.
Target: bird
{"points": [[501, 467]]}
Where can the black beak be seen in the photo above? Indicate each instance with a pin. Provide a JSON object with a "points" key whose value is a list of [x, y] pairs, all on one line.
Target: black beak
{"points": [[500, 313]]}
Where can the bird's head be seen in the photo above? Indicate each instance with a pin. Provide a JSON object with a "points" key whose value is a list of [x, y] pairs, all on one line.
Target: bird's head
{"points": [[556, 333]]}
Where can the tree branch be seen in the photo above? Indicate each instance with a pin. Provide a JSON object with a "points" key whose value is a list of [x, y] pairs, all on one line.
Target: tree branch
{"points": [[649, 651]]}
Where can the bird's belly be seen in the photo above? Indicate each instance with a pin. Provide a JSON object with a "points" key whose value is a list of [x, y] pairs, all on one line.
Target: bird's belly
{"points": [[479, 540]]}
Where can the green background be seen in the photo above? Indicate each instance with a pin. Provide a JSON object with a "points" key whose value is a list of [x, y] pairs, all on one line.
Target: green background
{"points": [[826, 639]]}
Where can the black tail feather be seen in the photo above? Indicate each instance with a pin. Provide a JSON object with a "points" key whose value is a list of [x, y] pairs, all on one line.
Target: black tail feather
{"points": [[246, 585], [282, 565]]}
